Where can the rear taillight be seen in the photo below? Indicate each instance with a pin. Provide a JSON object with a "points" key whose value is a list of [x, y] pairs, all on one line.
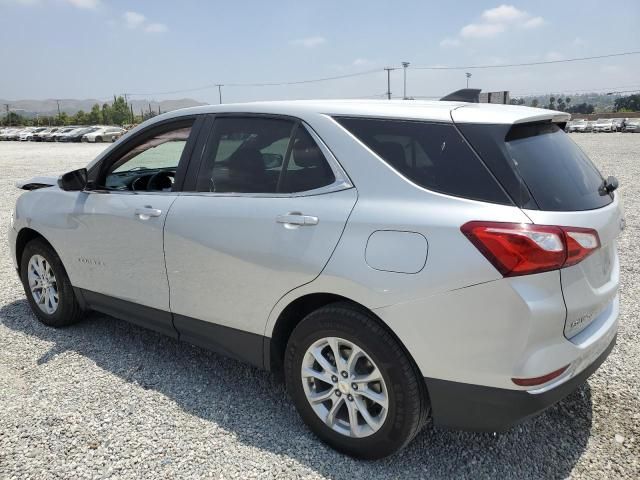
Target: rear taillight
{"points": [[522, 248]]}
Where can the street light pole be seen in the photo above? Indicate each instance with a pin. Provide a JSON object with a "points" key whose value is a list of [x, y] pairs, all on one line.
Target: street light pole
{"points": [[219, 85], [404, 66], [468, 77], [388, 69]]}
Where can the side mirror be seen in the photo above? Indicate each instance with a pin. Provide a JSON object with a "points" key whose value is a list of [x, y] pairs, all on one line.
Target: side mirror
{"points": [[73, 181]]}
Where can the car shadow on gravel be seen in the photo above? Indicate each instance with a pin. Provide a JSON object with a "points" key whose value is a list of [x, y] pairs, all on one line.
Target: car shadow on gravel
{"points": [[254, 406]]}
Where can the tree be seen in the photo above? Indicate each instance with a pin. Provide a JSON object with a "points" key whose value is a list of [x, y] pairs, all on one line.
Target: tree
{"points": [[552, 103], [581, 108], [561, 105], [120, 111], [80, 118], [630, 103], [534, 102], [567, 101], [107, 117], [94, 116]]}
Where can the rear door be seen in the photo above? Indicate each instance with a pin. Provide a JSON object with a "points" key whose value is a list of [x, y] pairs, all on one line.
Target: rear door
{"points": [[268, 206], [555, 183]]}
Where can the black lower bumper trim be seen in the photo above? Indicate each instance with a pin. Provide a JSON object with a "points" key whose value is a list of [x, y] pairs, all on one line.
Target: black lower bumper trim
{"points": [[487, 409]]}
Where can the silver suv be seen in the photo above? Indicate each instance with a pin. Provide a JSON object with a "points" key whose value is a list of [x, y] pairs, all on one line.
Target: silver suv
{"points": [[395, 260]]}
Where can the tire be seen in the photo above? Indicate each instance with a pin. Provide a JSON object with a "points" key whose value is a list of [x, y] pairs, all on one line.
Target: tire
{"points": [[98, 140], [406, 396], [67, 311]]}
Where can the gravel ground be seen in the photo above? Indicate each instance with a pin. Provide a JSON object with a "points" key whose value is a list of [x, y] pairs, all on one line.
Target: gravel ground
{"points": [[108, 399]]}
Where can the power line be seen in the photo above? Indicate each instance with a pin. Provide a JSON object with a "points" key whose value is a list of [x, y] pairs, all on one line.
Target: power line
{"points": [[508, 65], [260, 84]]}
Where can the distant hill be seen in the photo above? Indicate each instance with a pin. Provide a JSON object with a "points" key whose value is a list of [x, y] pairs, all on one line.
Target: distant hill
{"points": [[71, 106]]}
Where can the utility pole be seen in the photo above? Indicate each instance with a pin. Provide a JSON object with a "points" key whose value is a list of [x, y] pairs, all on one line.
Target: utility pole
{"points": [[404, 66], [388, 69], [219, 85], [468, 77], [6, 120], [58, 102]]}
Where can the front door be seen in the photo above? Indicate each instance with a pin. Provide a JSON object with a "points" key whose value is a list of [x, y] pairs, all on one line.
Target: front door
{"points": [[120, 257], [267, 214]]}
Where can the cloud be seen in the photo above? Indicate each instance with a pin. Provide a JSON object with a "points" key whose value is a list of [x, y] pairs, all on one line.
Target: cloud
{"points": [[134, 19], [137, 21], [91, 4], [361, 62], [309, 42], [156, 28], [503, 14], [494, 22], [481, 30]]}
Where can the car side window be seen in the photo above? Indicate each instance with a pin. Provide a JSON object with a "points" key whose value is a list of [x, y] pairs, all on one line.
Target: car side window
{"points": [[245, 155], [262, 155], [306, 168], [150, 165]]}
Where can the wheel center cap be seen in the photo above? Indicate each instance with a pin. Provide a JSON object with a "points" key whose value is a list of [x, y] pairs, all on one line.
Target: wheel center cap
{"points": [[343, 387]]}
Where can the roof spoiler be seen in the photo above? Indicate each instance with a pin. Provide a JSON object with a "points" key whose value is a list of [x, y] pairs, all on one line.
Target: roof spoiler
{"points": [[471, 95]]}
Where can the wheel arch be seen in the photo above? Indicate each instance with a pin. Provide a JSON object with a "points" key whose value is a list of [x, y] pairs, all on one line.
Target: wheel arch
{"points": [[297, 310], [25, 235]]}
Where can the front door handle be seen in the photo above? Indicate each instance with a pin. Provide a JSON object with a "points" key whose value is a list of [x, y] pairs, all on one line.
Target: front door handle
{"points": [[146, 212], [297, 219]]}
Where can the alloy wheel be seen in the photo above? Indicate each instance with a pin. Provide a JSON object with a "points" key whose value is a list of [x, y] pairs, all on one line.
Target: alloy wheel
{"points": [[43, 284], [344, 387]]}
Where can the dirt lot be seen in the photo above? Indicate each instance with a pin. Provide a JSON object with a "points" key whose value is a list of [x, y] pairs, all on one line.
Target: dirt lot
{"points": [[105, 398]]}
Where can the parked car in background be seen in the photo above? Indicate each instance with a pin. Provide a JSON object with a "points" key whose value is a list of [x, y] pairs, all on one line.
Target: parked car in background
{"points": [[589, 126], [7, 133], [576, 125], [604, 125], [632, 125], [103, 134], [312, 241], [62, 131], [619, 123], [28, 133], [42, 135], [77, 134]]}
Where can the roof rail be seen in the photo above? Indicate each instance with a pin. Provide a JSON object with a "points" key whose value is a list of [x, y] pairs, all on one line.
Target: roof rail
{"points": [[471, 95]]}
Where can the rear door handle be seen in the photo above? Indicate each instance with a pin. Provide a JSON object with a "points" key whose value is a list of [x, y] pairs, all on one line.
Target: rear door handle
{"points": [[297, 219], [146, 212]]}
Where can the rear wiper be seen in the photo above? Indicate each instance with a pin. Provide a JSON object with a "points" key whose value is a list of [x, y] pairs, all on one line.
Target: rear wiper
{"points": [[608, 185]]}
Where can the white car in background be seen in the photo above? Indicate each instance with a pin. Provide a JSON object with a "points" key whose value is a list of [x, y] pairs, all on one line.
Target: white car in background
{"points": [[103, 134], [28, 133], [604, 125]]}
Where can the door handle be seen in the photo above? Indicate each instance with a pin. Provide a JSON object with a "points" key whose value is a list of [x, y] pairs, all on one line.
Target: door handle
{"points": [[297, 219], [146, 212]]}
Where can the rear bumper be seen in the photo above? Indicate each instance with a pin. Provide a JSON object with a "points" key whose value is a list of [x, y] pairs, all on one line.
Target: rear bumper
{"points": [[488, 409]]}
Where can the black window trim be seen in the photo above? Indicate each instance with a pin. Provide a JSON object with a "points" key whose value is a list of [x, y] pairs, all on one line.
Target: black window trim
{"points": [[100, 169], [341, 182]]}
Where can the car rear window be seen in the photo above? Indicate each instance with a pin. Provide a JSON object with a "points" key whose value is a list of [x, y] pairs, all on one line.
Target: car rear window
{"points": [[556, 173], [432, 155]]}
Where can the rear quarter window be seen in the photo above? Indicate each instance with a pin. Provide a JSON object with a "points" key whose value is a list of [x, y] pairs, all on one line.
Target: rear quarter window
{"points": [[432, 155]]}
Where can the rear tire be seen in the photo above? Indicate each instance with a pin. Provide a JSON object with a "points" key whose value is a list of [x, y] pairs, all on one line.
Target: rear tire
{"points": [[98, 139], [47, 286], [360, 425]]}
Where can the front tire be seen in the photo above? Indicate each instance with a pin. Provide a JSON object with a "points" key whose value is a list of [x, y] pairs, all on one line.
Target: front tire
{"points": [[47, 286], [353, 384]]}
